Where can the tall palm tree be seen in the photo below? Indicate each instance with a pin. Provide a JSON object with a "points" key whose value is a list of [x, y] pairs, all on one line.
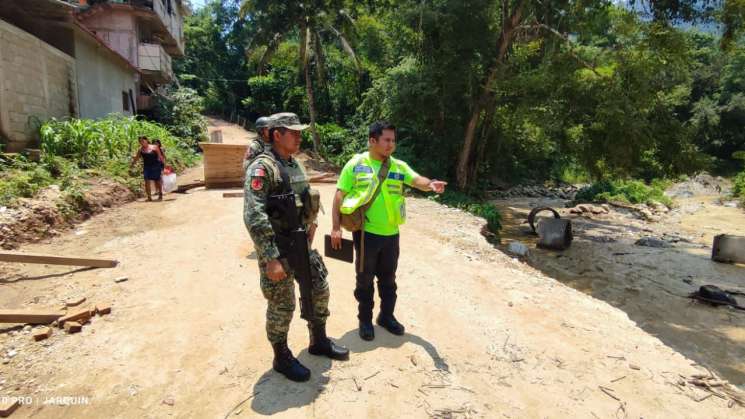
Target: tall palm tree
{"points": [[310, 19]]}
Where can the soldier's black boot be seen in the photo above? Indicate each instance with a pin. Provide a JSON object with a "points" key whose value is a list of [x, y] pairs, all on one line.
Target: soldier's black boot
{"points": [[389, 323], [288, 365], [320, 344], [367, 332]]}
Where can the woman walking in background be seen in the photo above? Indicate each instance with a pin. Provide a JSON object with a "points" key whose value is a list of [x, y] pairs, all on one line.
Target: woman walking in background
{"points": [[152, 159]]}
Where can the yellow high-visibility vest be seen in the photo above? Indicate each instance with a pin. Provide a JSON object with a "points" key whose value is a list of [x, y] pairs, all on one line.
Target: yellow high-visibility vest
{"points": [[366, 181]]}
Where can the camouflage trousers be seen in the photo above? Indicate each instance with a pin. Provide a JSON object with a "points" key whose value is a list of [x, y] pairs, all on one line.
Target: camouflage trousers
{"points": [[280, 297]]}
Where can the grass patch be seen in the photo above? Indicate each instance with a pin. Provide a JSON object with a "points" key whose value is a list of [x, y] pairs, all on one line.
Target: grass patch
{"points": [[22, 179]]}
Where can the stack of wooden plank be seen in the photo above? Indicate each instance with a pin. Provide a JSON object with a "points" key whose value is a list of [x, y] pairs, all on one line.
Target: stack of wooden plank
{"points": [[223, 165]]}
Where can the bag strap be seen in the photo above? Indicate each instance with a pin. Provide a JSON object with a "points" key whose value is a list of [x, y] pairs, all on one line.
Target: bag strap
{"points": [[382, 174]]}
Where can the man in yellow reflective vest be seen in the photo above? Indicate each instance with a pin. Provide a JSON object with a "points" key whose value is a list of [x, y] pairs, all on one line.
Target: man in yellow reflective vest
{"points": [[386, 211]]}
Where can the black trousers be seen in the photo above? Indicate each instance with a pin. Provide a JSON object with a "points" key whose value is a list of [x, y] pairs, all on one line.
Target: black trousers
{"points": [[381, 260]]}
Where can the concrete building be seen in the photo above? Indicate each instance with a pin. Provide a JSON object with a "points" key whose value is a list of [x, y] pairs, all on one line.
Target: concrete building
{"points": [[147, 32], [71, 58]]}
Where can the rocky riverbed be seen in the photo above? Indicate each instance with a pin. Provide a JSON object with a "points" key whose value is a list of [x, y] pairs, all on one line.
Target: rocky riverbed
{"points": [[646, 260]]}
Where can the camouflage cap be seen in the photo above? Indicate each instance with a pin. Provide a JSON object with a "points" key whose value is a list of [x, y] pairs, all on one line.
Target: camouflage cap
{"points": [[264, 122], [287, 120]]}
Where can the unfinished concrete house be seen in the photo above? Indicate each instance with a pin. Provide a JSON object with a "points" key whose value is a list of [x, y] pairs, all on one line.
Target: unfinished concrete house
{"points": [[83, 59], [149, 33]]}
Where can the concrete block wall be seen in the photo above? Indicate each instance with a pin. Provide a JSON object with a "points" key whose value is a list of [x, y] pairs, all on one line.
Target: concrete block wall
{"points": [[36, 81]]}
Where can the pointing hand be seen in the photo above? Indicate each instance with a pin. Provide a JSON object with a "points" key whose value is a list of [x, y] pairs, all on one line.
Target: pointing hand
{"points": [[438, 186]]}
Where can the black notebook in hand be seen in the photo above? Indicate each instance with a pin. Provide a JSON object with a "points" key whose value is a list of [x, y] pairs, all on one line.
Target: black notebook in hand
{"points": [[345, 254]]}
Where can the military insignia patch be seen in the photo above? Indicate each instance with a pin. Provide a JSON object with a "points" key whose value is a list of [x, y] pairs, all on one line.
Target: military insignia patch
{"points": [[257, 183]]}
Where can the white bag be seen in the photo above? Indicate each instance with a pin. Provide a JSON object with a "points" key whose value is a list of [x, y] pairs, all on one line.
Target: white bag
{"points": [[169, 183]]}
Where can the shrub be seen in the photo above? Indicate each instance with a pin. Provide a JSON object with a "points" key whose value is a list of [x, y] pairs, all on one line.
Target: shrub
{"points": [[628, 191], [22, 180], [180, 109], [738, 187], [338, 144]]}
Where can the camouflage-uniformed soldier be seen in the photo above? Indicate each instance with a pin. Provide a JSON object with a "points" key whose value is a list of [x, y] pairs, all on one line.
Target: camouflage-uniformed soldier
{"points": [[260, 143], [267, 176]]}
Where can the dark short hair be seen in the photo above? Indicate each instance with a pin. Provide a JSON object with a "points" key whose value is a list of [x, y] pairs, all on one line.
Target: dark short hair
{"points": [[377, 127], [281, 130]]}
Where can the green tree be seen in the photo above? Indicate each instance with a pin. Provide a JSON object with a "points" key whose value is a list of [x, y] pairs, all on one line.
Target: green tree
{"points": [[276, 21], [180, 109], [215, 61]]}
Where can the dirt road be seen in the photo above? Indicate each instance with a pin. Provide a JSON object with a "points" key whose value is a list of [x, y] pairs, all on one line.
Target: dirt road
{"points": [[487, 336]]}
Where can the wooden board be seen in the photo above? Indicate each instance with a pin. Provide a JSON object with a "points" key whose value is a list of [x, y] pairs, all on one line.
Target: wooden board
{"points": [[29, 316], [232, 195], [185, 187], [56, 260], [223, 165], [7, 408]]}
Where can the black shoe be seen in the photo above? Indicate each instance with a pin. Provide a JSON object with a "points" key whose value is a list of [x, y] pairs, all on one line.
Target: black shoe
{"points": [[367, 332], [389, 323], [320, 344], [288, 365]]}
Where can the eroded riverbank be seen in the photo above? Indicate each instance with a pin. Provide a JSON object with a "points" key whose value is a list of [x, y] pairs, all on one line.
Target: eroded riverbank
{"points": [[651, 284]]}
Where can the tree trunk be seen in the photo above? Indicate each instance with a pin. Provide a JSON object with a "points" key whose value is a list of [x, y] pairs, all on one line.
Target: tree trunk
{"points": [[304, 47], [486, 130], [312, 109], [503, 44]]}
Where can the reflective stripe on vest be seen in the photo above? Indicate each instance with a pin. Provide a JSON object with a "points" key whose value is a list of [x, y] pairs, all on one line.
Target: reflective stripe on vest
{"points": [[366, 180]]}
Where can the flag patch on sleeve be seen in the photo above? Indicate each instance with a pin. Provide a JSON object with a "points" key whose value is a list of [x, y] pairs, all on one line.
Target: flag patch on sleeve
{"points": [[257, 183]]}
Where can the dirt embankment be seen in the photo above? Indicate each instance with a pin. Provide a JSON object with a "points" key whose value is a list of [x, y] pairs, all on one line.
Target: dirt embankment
{"points": [[47, 214]]}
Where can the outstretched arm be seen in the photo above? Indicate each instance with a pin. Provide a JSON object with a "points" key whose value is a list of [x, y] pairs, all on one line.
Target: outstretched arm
{"points": [[426, 184]]}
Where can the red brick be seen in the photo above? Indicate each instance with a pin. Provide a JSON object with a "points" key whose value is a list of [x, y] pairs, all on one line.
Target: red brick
{"points": [[73, 327], [43, 334], [81, 316], [102, 308]]}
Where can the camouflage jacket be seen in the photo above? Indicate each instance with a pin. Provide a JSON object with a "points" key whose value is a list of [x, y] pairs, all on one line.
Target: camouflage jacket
{"points": [[256, 147], [263, 179]]}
